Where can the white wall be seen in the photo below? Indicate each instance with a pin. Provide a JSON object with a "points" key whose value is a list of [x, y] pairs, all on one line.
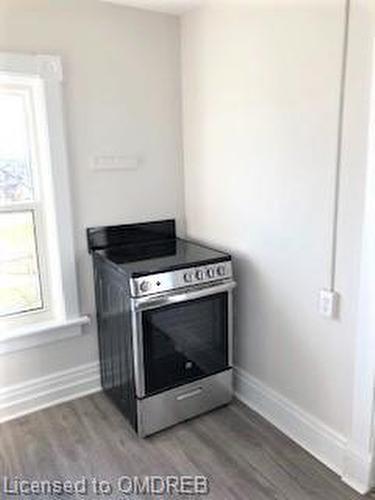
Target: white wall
{"points": [[122, 95], [260, 103]]}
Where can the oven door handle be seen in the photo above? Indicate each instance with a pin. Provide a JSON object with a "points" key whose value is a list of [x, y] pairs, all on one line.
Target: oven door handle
{"points": [[153, 302]]}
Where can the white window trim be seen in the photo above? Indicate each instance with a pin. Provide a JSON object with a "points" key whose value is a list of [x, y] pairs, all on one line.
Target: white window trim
{"points": [[69, 321]]}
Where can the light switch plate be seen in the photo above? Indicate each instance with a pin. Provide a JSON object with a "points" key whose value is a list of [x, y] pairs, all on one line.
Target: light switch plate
{"points": [[328, 303], [115, 162]]}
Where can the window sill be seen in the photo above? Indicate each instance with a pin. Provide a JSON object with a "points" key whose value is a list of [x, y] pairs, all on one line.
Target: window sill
{"points": [[42, 333]]}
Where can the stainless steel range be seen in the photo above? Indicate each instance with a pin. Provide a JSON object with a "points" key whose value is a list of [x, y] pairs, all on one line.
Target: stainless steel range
{"points": [[164, 309]]}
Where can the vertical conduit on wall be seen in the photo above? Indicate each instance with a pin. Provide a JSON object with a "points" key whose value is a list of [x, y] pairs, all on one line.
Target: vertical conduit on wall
{"points": [[338, 163]]}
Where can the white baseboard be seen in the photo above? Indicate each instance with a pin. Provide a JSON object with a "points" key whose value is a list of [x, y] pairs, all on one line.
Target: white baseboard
{"points": [[358, 471], [20, 399], [317, 438]]}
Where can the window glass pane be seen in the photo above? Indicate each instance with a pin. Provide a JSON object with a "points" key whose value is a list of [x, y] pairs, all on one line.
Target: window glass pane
{"points": [[20, 289], [15, 165]]}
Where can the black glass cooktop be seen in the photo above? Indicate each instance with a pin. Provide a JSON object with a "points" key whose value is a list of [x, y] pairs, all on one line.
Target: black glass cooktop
{"points": [[160, 256], [149, 247]]}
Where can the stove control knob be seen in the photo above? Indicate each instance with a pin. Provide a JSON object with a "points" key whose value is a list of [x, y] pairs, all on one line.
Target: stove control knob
{"points": [[199, 275], [211, 272], [220, 270], [188, 277], [144, 286]]}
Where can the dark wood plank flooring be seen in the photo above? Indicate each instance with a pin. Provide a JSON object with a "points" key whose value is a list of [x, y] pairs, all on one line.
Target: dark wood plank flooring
{"points": [[243, 456]]}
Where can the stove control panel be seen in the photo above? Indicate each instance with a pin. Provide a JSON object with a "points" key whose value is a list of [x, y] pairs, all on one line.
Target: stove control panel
{"points": [[182, 278]]}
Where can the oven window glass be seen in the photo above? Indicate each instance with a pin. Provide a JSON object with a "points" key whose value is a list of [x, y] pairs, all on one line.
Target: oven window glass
{"points": [[184, 342]]}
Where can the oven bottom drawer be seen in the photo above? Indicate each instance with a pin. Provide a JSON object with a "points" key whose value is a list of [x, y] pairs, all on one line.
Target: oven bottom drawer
{"points": [[184, 402]]}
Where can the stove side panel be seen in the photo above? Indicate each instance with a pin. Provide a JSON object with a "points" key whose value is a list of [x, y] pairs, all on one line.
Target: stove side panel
{"points": [[115, 338]]}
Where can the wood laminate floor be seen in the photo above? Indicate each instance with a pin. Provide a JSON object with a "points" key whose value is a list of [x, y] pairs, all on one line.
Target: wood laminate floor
{"points": [[243, 456]]}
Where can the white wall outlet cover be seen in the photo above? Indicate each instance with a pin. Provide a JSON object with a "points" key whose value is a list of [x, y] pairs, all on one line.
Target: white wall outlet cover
{"points": [[115, 162], [329, 303]]}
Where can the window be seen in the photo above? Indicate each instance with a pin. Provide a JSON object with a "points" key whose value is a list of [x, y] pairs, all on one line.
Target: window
{"points": [[22, 287], [37, 271]]}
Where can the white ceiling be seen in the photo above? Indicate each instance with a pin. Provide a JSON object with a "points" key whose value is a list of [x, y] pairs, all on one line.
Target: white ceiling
{"points": [[175, 7]]}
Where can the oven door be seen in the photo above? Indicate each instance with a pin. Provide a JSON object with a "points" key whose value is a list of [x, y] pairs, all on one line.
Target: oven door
{"points": [[181, 337]]}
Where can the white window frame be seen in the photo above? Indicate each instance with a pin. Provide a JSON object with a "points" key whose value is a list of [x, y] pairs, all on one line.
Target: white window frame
{"points": [[31, 92], [67, 320]]}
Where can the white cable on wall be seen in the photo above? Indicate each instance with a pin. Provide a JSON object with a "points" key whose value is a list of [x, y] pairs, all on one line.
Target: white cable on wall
{"points": [[338, 165]]}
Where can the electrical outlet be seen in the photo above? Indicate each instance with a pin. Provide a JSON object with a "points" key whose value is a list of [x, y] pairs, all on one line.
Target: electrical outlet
{"points": [[328, 303]]}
